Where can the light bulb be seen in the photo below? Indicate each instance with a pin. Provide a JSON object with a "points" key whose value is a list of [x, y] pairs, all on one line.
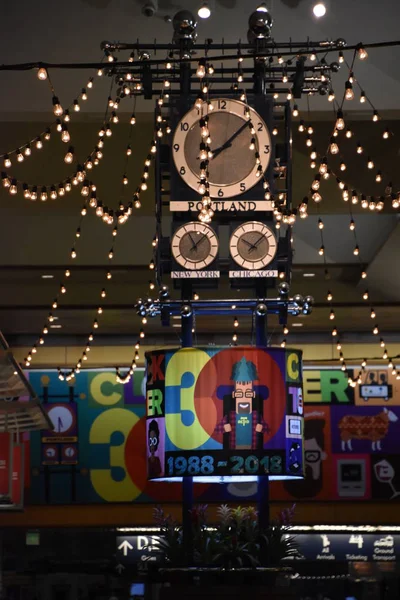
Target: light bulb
{"points": [[329, 296], [331, 96], [373, 314], [65, 137], [295, 111], [27, 150], [317, 197], [69, 157], [362, 53], [334, 148], [370, 163], [363, 98], [386, 134], [320, 224], [77, 108], [57, 108], [349, 93], [360, 149], [356, 251], [349, 133], [42, 74], [375, 116], [340, 124], [352, 225]]}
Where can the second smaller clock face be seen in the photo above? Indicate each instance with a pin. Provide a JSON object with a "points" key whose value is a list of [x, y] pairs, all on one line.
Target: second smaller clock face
{"points": [[253, 245], [194, 245]]}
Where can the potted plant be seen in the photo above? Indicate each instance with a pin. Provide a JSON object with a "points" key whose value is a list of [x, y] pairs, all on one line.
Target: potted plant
{"points": [[231, 553]]}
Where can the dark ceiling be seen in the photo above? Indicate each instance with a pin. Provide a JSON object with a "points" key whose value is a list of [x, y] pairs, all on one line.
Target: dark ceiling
{"points": [[36, 238]]}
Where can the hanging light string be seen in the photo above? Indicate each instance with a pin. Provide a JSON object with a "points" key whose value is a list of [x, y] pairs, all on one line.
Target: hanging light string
{"points": [[43, 192], [62, 290], [160, 126], [62, 287], [206, 212], [99, 311], [69, 374], [366, 297], [61, 123], [333, 148]]}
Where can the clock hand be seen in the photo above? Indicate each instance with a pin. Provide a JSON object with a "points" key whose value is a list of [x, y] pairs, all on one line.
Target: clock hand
{"points": [[229, 141], [248, 243], [256, 243], [200, 240], [194, 247]]}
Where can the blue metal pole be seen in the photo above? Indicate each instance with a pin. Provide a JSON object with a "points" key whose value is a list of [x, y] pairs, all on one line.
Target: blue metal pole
{"points": [[263, 481], [187, 482]]}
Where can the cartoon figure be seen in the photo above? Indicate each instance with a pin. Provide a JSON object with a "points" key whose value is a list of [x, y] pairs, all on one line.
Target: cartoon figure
{"points": [[153, 462], [314, 454], [245, 425], [295, 458]]}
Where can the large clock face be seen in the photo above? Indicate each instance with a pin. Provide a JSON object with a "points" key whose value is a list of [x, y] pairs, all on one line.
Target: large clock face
{"points": [[194, 245], [62, 417], [253, 245], [232, 168]]}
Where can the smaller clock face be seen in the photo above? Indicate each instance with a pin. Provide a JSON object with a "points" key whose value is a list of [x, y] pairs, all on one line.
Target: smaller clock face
{"points": [[253, 245], [194, 245]]}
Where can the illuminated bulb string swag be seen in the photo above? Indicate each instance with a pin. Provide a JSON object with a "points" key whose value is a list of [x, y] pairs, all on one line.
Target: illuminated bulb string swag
{"points": [[325, 170], [43, 192], [62, 290], [161, 127], [87, 189], [366, 297], [336, 338]]}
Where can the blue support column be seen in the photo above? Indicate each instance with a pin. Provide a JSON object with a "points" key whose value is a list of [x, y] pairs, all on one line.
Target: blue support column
{"points": [[187, 483], [263, 481]]}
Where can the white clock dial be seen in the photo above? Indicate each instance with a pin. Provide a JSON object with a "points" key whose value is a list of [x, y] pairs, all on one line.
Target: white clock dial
{"points": [[61, 417], [232, 168], [253, 245], [194, 245]]}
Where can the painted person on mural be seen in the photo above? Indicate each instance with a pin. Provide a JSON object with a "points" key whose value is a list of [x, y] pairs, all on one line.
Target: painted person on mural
{"points": [[314, 454], [244, 423], [154, 464]]}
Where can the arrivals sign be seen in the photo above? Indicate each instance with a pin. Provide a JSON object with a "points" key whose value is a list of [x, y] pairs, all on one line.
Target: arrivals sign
{"points": [[353, 547], [232, 412]]}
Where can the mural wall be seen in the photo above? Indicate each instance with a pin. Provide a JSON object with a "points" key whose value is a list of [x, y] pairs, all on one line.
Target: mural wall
{"points": [[98, 449]]}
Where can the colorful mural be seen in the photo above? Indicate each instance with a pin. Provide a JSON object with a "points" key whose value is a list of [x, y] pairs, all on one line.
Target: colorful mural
{"points": [[233, 412], [100, 448]]}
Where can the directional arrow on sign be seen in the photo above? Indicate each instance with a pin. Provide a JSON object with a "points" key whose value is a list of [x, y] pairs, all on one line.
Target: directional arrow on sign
{"points": [[119, 568], [125, 547]]}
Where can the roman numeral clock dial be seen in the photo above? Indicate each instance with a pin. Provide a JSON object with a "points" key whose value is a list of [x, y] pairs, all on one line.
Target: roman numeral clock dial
{"points": [[194, 245], [237, 132], [253, 245]]}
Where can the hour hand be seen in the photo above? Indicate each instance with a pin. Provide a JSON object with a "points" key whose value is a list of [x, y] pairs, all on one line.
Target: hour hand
{"points": [[221, 149], [248, 243], [194, 247]]}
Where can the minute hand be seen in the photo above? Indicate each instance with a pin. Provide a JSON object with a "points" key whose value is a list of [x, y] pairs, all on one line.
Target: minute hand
{"points": [[229, 141]]}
